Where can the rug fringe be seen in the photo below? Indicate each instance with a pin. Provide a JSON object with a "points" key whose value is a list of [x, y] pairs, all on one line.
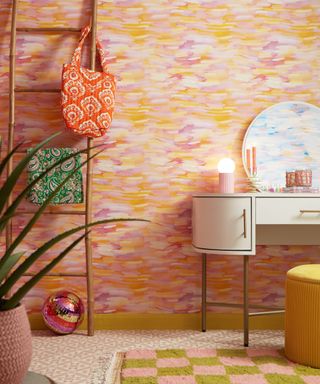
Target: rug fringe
{"points": [[112, 375]]}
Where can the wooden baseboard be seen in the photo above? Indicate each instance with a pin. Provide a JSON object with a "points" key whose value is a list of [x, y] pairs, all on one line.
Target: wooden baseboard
{"points": [[126, 321]]}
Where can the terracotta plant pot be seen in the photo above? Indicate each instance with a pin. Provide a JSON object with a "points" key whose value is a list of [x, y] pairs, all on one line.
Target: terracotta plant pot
{"points": [[15, 345]]}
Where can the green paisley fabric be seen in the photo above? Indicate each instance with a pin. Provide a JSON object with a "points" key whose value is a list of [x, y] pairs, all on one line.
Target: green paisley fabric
{"points": [[71, 192]]}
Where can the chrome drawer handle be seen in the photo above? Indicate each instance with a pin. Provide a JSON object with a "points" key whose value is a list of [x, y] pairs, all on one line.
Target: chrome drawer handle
{"points": [[309, 210], [244, 224]]}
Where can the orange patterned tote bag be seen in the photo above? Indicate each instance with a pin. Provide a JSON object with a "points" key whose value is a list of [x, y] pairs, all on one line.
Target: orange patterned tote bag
{"points": [[87, 96]]}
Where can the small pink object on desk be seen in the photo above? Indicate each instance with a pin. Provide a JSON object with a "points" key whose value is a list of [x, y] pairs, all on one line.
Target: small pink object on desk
{"points": [[226, 169]]}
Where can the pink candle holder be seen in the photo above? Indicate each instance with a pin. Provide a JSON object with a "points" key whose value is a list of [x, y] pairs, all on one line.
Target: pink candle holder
{"points": [[290, 179], [303, 177]]}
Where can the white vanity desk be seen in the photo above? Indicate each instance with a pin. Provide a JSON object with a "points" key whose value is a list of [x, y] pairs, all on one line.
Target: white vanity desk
{"points": [[232, 224]]}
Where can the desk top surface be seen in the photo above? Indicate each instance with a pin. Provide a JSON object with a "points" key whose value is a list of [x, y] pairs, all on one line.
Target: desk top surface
{"points": [[257, 195]]}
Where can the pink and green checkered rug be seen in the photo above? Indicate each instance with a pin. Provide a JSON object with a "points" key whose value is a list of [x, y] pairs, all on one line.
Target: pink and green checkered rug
{"points": [[211, 366]]}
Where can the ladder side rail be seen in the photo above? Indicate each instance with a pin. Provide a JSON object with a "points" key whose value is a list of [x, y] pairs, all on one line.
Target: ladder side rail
{"points": [[11, 125], [88, 217]]}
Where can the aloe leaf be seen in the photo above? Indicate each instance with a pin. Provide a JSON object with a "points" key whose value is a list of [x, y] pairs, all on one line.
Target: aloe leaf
{"points": [[16, 275], [38, 213], [11, 181], [6, 159], [9, 264], [11, 210], [21, 292]]}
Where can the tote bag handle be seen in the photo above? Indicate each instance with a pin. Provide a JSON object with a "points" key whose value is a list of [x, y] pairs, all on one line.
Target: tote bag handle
{"points": [[76, 57]]}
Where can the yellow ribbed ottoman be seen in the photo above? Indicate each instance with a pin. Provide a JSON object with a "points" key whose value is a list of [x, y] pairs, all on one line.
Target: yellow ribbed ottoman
{"points": [[302, 318]]}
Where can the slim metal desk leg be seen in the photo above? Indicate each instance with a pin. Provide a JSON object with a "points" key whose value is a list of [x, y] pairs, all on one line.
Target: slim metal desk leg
{"points": [[245, 301], [204, 292]]}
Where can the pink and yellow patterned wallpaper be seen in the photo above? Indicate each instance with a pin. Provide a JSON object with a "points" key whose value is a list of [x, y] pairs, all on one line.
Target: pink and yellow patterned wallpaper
{"points": [[191, 76]]}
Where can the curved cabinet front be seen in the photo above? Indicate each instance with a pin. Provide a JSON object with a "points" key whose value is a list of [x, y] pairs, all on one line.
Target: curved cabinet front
{"points": [[222, 224]]}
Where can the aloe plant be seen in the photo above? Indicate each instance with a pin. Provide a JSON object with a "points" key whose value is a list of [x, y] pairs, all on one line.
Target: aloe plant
{"points": [[10, 270]]}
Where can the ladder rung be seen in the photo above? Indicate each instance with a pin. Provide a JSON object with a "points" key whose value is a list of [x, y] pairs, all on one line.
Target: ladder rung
{"points": [[35, 90], [20, 152], [24, 151], [59, 274], [47, 29], [52, 213]]}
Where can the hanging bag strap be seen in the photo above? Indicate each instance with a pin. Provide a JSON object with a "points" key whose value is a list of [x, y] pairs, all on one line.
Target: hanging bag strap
{"points": [[76, 57]]}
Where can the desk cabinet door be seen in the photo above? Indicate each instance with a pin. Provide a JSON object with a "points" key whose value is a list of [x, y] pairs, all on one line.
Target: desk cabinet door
{"points": [[222, 224]]}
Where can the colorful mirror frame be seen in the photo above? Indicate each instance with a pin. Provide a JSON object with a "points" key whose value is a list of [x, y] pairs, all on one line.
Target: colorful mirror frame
{"points": [[283, 138]]}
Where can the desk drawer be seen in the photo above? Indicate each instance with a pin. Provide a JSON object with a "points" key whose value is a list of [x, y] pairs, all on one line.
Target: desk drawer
{"points": [[288, 210]]}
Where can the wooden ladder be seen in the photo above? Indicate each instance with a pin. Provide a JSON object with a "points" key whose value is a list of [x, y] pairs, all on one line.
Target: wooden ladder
{"points": [[88, 194]]}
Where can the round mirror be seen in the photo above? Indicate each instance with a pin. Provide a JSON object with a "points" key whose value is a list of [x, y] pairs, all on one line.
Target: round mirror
{"points": [[281, 148]]}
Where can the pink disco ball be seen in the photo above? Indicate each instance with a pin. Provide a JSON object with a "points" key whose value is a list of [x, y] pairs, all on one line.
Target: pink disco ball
{"points": [[63, 312]]}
